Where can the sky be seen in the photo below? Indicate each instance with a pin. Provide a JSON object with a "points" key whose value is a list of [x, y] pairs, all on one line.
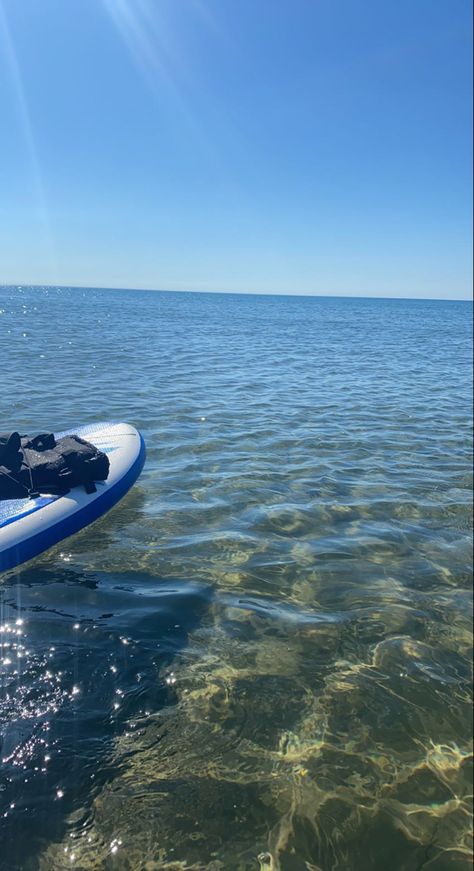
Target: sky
{"points": [[271, 146]]}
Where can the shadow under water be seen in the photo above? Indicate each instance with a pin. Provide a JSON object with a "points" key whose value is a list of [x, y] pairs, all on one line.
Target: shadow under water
{"points": [[63, 704]]}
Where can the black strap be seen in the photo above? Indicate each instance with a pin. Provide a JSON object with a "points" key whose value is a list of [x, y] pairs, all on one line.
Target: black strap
{"points": [[16, 481], [32, 492]]}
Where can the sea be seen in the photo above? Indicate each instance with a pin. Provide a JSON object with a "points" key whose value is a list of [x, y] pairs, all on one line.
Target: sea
{"points": [[261, 659]]}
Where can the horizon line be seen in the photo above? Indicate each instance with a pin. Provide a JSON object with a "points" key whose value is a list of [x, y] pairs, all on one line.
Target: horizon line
{"points": [[58, 286]]}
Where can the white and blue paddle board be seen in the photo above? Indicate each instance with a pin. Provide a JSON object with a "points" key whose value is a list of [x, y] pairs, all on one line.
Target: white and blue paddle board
{"points": [[29, 526]]}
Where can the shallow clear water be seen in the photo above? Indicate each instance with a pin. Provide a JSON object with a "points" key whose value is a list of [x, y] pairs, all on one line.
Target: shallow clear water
{"points": [[261, 658]]}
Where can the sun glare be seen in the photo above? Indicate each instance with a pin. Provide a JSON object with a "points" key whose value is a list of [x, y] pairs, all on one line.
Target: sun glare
{"points": [[39, 193]]}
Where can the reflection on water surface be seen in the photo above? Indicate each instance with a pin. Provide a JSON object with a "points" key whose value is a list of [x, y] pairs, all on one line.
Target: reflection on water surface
{"points": [[261, 658]]}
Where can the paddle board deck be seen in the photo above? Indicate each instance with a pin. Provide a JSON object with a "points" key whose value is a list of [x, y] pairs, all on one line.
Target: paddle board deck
{"points": [[30, 526]]}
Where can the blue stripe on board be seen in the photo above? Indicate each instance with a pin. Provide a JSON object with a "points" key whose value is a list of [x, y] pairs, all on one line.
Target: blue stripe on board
{"points": [[17, 511], [30, 547]]}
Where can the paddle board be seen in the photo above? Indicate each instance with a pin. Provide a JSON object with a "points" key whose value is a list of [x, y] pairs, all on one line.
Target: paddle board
{"points": [[30, 526]]}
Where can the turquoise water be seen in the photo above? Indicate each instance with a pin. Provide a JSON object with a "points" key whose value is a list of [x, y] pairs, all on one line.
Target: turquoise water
{"points": [[261, 658]]}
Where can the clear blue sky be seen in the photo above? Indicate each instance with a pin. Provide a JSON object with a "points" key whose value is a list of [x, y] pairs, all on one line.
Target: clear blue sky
{"points": [[288, 146]]}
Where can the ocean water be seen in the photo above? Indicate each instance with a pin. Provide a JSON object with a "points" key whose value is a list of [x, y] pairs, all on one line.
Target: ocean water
{"points": [[261, 658]]}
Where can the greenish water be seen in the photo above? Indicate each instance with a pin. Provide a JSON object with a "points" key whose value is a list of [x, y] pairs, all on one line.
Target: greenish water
{"points": [[262, 658]]}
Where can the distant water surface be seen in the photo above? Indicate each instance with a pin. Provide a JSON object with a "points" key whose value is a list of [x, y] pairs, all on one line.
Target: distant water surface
{"points": [[261, 658]]}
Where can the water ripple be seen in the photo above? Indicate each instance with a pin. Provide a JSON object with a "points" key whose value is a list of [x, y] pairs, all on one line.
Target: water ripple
{"points": [[261, 658]]}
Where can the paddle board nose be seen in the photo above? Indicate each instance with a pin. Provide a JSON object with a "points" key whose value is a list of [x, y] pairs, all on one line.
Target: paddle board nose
{"points": [[30, 526]]}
